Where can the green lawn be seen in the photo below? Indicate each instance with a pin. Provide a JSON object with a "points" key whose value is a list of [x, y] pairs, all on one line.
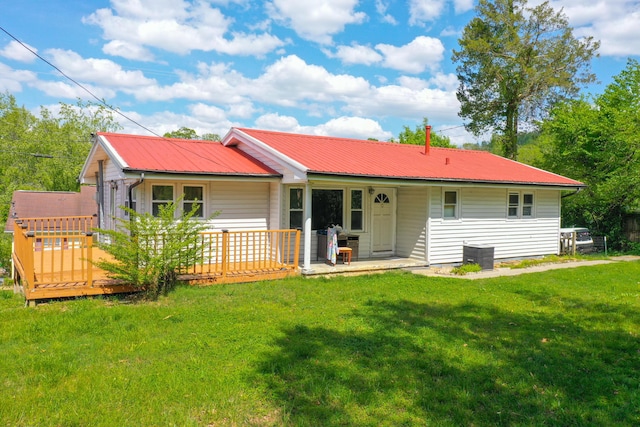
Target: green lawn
{"points": [[554, 348]]}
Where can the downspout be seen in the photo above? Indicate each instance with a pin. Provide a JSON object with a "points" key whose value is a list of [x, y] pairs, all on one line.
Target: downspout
{"points": [[130, 191], [100, 179]]}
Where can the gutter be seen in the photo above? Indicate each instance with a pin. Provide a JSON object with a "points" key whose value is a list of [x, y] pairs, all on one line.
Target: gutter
{"points": [[130, 192], [579, 189]]}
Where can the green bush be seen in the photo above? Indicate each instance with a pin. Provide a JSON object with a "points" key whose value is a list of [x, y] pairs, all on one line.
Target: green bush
{"points": [[466, 268], [150, 250]]}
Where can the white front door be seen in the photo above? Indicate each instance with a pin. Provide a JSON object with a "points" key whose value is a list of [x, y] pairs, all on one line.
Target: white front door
{"points": [[383, 220]]}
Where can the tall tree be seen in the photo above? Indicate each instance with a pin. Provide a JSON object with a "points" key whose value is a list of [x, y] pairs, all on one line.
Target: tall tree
{"points": [[45, 152], [514, 62], [597, 141], [418, 136]]}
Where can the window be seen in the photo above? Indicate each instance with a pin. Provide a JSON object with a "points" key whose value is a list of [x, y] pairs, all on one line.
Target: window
{"points": [[520, 205], [193, 197], [527, 205], [161, 195], [296, 204], [131, 204], [450, 206], [514, 205], [356, 211], [326, 208]]}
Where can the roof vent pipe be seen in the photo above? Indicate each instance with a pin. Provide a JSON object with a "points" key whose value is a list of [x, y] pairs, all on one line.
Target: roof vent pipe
{"points": [[427, 140]]}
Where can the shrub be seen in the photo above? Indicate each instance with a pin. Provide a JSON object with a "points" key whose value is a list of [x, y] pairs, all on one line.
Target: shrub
{"points": [[466, 268], [149, 250]]}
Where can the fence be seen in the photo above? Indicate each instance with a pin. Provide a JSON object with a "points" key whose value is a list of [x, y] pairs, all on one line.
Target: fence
{"points": [[49, 255]]}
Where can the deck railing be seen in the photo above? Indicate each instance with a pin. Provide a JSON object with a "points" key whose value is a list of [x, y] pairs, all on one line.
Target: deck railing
{"points": [[64, 255]]}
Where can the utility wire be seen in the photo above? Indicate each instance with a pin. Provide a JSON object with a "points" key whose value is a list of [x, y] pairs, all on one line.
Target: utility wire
{"points": [[102, 102]]}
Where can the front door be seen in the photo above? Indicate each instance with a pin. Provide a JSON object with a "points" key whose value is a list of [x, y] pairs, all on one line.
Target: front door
{"points": [[383, 217]]}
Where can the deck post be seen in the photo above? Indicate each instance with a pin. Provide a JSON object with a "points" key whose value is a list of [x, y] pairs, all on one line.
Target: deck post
{"points": [[29, 263], [225, 251], [89, 235]]}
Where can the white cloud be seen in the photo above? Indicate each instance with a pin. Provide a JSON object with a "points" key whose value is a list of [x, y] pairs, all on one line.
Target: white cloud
{"points": [[291, 79], [207, 112], [462, 6], [177, 27], [11, 80], [15, 51], [420, 54], [381, 8], [421, 11], [319, 22], [275, 121], [166, 121], [405, 102], [347, 127], [353, 127], [60, 89], [357, 54], [102, 71], [616, 23], [127, 50]]}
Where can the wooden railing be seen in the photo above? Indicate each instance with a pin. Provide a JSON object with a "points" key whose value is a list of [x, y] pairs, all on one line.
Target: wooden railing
{"points": [[53, 257], [231, 252], [67, 224], [59, 255]]}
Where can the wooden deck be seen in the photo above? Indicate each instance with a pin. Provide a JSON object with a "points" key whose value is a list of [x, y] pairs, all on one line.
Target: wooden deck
{"points": [[59, 264]]}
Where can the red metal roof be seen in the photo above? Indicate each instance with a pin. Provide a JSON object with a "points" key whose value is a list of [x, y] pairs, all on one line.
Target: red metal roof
{"points": [[157, 154], [344, 156]]}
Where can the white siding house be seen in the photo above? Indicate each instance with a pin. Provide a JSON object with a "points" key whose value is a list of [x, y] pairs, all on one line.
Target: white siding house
{"points": [[403, 201]]}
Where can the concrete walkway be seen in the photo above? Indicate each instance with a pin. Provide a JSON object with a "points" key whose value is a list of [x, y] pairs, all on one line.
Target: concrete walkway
{"points": [[506, 271]]}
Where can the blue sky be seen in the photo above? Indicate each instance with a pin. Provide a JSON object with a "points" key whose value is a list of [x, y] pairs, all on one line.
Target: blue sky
{"points": [[330, 67]]}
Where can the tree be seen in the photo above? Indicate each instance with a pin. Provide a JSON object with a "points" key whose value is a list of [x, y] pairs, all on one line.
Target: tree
{"points": [[514, 62], [418, 136], [188, 133], [597, 141], [149, 251], [45, 152], [182, 133]]}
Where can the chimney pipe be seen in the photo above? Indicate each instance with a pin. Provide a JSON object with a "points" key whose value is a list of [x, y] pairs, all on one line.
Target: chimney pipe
{"points": [[427, 142]]}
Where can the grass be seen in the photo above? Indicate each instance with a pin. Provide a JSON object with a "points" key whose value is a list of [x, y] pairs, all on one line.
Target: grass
{"points": [[554, 348]]}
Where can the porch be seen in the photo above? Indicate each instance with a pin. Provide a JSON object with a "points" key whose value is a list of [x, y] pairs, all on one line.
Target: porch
{"points": [[363, 266], [53, 258]]}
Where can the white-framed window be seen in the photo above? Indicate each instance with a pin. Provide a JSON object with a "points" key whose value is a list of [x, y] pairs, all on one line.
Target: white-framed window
{"points": [[296, 208], [520, 204], [513, 210], [161, 195], [450, 204], [193, 196], [356, 212]]}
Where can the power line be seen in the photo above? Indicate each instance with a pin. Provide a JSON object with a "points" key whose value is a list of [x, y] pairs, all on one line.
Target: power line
{"points": [[102, 102]]}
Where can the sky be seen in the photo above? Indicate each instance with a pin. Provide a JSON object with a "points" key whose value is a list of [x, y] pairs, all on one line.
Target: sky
{"points": [[348, 68]]}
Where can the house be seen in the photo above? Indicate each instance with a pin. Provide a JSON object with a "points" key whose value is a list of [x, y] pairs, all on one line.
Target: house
{"points": [[51, 204], [418, 202]]}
